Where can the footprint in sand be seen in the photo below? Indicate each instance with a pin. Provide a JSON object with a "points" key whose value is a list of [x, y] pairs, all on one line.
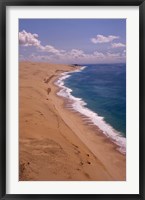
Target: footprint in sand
{"points": [[81, 163], [46, 80], [48, 90], [87, 175], [40, 113]]}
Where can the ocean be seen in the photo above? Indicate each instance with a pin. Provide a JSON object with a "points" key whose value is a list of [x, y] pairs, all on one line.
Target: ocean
{"points": [[98, 91]]}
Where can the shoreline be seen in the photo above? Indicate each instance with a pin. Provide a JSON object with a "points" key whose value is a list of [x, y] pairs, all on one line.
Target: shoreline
{"points": [[73, 155], [65, 93]]}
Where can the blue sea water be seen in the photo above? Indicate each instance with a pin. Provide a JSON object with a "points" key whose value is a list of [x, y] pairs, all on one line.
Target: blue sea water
{"points": [[98, 91], [103, 88]]}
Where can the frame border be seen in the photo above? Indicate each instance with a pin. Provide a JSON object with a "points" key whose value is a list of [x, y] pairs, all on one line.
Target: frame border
{"points": [[3, 5]]}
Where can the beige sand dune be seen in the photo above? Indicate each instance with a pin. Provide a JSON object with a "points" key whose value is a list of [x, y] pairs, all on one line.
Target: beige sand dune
{"points": [[54, 142]]}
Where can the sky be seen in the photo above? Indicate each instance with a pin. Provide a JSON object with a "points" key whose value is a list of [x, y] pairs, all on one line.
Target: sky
{"points": [[69, 41]]}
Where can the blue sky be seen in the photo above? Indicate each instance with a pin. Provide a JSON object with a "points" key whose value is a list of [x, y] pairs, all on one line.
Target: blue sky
{"points": [[70, 41]]}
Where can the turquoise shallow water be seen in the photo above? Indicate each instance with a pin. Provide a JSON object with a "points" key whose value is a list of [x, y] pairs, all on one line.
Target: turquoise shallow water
{"points": [[103, 88]]}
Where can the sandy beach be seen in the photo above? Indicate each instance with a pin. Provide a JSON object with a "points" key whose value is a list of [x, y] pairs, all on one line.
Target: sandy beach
{"points": [[55, 143]]}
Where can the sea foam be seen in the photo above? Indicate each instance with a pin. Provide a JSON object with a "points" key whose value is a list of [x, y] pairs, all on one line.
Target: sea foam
{"points": [[78, 104]]}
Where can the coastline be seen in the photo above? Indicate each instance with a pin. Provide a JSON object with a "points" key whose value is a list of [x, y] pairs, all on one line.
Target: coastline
{"points": [[53, 145], [78, 105]]}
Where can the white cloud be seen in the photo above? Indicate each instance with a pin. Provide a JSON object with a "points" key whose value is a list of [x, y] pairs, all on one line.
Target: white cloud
{"points": [[117, 45], [49, 53], [124, 53], [28, 39], [49, 49], [113, 54], [39, 57], [99, 54], [78, 56], [76, 53], [103, 39]]}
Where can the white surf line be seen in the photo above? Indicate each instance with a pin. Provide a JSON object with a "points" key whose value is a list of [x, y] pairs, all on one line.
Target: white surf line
{"points": [[78, 104]]}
